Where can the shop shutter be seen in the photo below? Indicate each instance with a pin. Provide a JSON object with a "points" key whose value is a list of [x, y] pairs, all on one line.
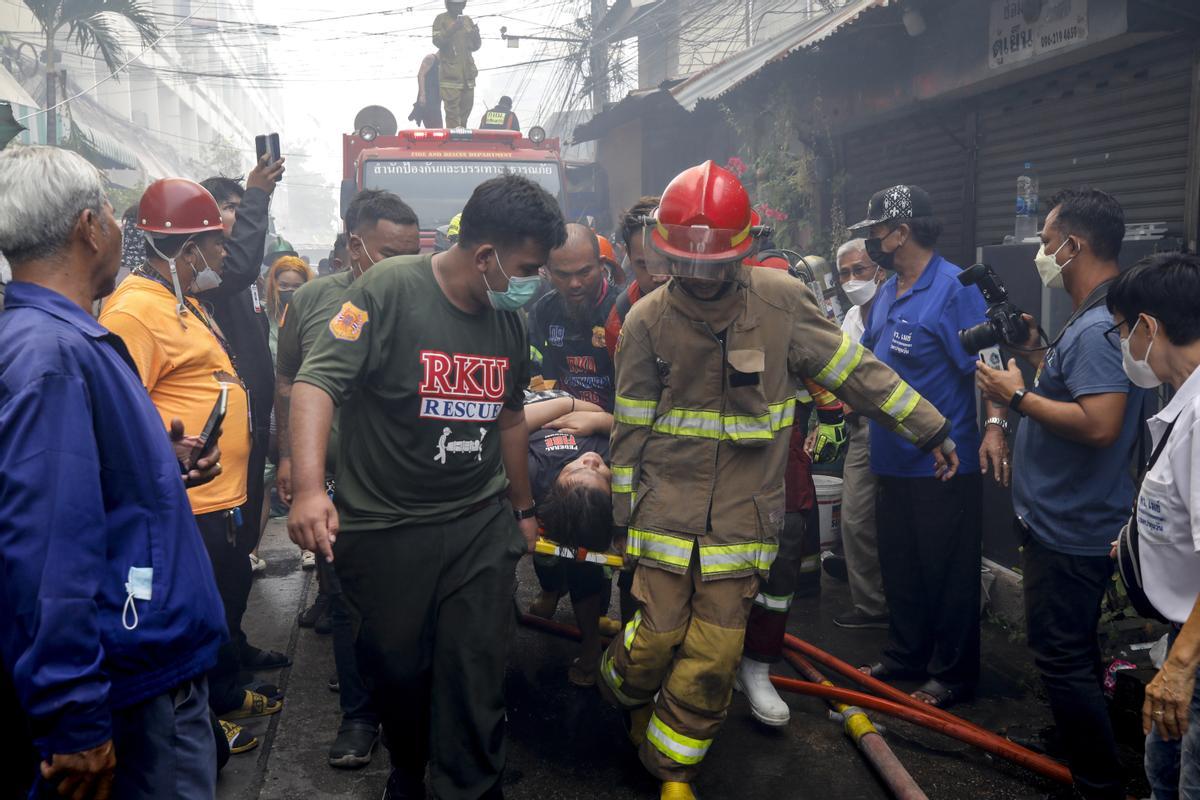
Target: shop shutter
{"points": [[928, 150], [1118, 123]]}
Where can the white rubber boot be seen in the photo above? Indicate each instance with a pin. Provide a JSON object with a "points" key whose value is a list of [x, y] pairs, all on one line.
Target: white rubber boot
{"points": [[753, 679]]}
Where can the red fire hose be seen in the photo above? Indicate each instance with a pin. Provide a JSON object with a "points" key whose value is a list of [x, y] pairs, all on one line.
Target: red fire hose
{"points": [[864, 734], [901, 705]]}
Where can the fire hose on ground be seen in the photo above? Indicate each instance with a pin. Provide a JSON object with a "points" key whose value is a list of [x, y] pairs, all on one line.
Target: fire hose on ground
{"points": [[899, 704]]}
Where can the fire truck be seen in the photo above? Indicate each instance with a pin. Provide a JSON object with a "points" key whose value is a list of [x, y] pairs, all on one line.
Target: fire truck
{"points": [[436, 170]]}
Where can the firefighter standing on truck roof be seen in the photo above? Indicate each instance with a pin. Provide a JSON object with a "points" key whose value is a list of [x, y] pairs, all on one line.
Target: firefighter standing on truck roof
{"points": [[707, 372], [500, 118], [456, 37]]}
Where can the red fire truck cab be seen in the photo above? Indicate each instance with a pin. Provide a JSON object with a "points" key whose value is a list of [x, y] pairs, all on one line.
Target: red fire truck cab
{"points": [[436, 170]]}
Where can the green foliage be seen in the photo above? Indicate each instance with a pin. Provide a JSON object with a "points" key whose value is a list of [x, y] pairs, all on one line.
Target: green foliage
{"points": [[92, 24]]}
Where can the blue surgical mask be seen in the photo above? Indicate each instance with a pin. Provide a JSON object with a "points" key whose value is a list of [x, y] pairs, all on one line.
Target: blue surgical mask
{"points": [[518, 294]]}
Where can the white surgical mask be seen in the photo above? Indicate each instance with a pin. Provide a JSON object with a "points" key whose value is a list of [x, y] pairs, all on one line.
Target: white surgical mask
{"points": [[1138, 369], [207, 278], [1048, 267], [861, 292]]}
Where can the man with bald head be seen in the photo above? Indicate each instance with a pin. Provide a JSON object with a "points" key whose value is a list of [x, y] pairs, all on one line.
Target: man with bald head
{"points": [[566, 334], [566, 326]]}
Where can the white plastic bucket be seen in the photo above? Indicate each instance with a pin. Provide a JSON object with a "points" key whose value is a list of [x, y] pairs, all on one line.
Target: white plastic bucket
{"points": [[829, 504]]}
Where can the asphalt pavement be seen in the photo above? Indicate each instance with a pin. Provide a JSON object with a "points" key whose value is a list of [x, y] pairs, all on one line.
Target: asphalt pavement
{"points": [[565, 743]]}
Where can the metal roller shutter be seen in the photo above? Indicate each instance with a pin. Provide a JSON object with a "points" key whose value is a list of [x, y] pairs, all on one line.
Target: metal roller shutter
{"points": [[928, 150], [1118, 123]]}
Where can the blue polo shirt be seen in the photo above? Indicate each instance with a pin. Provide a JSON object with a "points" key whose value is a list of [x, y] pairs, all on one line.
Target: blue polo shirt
{"points": [[1073, 497], [89, 488], [917, 336]]}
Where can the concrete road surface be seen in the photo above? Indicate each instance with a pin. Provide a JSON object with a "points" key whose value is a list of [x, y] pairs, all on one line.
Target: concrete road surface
{"points": [[566, 744]]}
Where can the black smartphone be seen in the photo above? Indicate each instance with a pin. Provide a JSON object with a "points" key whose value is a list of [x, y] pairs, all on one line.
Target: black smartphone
{"points": [[273, 147], [260, 146], [215, 418]]}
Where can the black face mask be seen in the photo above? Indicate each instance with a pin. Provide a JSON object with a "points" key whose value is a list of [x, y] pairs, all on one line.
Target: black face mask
{"points": [[285, 298], [880, 256]]}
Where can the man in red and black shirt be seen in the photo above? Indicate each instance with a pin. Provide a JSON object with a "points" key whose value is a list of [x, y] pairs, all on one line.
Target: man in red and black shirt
{"points": [[566, 326]]}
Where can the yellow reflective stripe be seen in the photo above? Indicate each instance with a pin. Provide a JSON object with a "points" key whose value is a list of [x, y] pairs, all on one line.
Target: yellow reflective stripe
{"points": [[629, 411], [608, 671], [717, 559], [733, 427], [773, 602], [675, 746], [682, 422], [631, 629], [844, 360], [660, 547], [622, 479], [901, 402], [534, 353]]}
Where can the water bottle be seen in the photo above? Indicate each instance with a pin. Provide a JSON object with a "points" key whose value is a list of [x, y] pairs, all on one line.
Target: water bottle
{"points": [[1026, 226]]}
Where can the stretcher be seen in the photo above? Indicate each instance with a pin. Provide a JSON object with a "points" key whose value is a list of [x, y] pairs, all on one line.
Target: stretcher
{"points": [[549, 548]]}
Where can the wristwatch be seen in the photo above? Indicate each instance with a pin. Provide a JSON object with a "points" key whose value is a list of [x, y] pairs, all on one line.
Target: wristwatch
{"points": [[525, 513], [1015, 403], [999, 422]]}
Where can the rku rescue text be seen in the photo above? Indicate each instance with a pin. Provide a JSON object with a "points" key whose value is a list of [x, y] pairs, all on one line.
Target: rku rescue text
{"points": [[462, 387]]}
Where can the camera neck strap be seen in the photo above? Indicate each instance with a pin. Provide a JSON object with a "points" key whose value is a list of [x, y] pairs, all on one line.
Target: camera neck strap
{"points": [[1094, 299]]}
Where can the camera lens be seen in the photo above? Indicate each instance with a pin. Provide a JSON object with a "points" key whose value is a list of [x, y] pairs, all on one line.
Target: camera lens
{"points": [[979, 337]]}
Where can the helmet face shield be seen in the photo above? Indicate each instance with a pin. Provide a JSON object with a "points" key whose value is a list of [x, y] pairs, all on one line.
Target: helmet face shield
{"points": [[694, 251]]}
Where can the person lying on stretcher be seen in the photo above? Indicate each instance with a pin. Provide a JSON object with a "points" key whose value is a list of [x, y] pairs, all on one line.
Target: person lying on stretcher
{"points": [[572, 487]]}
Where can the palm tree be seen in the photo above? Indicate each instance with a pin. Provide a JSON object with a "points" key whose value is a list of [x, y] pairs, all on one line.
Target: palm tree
{"points": [[91, 24]]}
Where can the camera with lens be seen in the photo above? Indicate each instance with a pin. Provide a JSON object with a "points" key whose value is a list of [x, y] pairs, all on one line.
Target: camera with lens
{"points": [[1004, 323]]}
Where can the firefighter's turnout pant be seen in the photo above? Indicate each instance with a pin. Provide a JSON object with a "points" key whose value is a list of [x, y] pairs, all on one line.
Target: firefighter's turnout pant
{"points": [[684, 644], [434, 603], [458, 100]]}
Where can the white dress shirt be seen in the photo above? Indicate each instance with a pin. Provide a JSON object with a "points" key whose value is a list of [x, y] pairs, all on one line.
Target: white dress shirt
{"points": [[1168, 508]]}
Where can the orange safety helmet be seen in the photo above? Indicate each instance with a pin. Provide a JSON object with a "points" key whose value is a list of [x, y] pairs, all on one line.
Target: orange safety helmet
{"points": [[606, 250], [703, 221], [178, 206]]}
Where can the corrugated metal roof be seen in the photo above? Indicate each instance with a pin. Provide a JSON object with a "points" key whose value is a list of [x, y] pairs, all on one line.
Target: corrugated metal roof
{"points": [[721, 78]]}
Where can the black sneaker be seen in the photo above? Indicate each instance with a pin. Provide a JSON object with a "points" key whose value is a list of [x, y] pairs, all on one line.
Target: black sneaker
{"points": [[324, 623], [309, 616], [855, 620], [353, 746], [834, 566]]}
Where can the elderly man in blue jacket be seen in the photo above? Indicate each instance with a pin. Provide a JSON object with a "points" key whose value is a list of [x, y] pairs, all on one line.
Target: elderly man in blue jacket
{"points": [[109, 615]]}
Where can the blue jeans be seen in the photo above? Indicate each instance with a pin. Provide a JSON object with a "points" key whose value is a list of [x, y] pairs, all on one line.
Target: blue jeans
{"points": [[164, 747], [1173, 766]]}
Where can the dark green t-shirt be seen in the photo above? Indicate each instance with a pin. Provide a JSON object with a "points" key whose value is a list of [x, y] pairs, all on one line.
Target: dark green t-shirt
{"points": [[420, 385], [312, 306]]}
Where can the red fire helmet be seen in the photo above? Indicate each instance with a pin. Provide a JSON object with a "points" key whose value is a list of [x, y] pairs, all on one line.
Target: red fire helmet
{"points": [[606, 250], [704, 217], [178, 206]]}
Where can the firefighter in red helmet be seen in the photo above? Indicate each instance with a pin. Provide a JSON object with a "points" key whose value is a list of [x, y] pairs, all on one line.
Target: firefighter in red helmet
{"points": [[707, 374]]}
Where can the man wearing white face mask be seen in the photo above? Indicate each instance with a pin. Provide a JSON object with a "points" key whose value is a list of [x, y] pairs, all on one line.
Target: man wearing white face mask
{"points": [[1071, 485], [860, 278], [183, 358]]}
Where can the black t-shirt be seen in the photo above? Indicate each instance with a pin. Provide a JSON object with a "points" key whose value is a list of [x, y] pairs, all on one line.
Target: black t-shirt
{"points": [[551, 450], [573, 350]]}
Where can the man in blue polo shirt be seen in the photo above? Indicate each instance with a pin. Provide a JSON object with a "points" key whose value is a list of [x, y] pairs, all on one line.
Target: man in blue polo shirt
{"points": [[1072, 488], [109, 613], [929, 526]]}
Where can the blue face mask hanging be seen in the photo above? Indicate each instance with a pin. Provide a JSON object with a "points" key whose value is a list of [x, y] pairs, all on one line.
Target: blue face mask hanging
{"points": [[518, 294]]}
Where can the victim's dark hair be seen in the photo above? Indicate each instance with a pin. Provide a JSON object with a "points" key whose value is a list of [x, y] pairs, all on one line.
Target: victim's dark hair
{"points": [[578, 516], [507, 211]]}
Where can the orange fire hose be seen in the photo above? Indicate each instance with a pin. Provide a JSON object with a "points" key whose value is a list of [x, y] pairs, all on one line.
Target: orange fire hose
{"points": [[901, 706]]}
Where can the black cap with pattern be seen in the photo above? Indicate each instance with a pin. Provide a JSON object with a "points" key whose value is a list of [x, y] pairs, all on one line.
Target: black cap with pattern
{"points": [[896, 203]]}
